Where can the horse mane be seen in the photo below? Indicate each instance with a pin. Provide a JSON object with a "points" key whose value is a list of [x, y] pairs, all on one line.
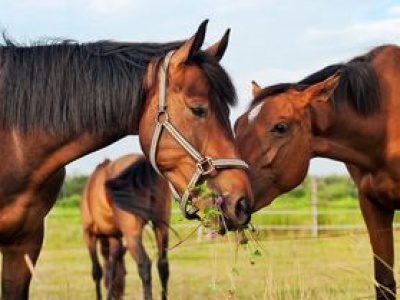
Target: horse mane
{"points": [[67, 87], [358, 84], [134, 188]]}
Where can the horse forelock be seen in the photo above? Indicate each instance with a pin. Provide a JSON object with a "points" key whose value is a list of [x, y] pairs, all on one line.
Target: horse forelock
{"points": [[270, 91], [222, 93]]}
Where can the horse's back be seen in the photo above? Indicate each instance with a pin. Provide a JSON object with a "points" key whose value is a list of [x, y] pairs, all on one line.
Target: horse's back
{"points": [[117, 166]]}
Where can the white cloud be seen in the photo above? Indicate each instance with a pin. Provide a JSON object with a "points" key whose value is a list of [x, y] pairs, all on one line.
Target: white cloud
{"points": [[111, 7], [92, 6], [394, 10], [42, 4], [229, 6], [385, 30]]}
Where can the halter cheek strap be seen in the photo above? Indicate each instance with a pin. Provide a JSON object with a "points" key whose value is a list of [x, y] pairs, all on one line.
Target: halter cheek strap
{"points": [[204, 164]]}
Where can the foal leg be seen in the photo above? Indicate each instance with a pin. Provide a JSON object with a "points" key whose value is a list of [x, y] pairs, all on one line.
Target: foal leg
{"points": [[16, 275], [90, 240], [161, 232], [115, 289], [380, 228], [134, 245]]}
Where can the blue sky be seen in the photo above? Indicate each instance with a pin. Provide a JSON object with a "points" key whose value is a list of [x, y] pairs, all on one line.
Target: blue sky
{"points": [[271, 41]]}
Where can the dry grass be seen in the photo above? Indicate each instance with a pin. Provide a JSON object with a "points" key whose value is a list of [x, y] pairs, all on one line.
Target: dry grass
{"points": [[290, 268]]}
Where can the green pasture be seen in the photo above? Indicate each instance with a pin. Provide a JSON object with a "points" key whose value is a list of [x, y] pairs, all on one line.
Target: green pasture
{"points": [[279, 265], [291, 266]]}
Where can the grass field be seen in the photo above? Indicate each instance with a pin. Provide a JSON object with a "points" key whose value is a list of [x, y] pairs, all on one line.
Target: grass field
{"points": [[291, 267]]}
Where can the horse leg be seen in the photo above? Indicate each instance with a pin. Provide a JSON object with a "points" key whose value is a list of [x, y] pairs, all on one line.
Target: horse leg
{"points": [[119, 271], [25, 247], [380, 228], [116, 250], [161, 232], [97, 273], [135, 247], [105, 253], [16, 275]]}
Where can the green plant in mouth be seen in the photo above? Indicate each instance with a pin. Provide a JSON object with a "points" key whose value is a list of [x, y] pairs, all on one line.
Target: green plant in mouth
{"points": [[203, 196]]}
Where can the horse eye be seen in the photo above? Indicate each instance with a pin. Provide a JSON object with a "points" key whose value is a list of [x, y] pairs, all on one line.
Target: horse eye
{"points": [[280, 128], [199, 111]]}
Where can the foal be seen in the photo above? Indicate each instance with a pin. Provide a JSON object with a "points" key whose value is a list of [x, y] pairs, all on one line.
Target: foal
{"points": [[119, 199]]}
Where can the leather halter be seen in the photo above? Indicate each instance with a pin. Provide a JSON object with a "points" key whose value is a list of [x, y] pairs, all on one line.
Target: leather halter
{"points": [[204, 164]]}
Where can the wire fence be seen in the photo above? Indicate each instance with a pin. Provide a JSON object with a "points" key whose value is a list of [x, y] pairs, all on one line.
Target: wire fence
{"points": [[313, 226]]}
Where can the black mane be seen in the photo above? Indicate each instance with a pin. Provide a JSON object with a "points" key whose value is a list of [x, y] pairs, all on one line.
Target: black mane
{"points": [[67, 87], [358, 84], [133, 190]]}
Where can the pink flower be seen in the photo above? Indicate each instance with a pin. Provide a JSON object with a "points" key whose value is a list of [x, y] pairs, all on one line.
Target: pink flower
{"points": [[219, 200], [211, 233]]}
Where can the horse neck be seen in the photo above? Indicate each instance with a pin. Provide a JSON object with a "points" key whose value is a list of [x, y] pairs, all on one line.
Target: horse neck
{"points": [[53, 152], [342, 134]]}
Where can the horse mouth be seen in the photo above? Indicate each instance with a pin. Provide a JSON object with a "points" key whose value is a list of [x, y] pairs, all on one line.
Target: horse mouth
{"points": [[212, 209]]}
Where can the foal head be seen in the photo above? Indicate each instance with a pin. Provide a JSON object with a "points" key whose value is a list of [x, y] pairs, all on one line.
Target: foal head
{"points": [[185, 129]]}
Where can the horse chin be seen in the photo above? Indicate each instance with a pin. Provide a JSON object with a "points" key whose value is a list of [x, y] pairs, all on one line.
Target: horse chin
{"points": [[225, 226]]}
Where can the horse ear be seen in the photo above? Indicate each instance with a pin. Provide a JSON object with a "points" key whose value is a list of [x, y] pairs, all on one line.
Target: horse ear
{"points": [[323, 90], [239, 123], [218, 49], [256, 88], [191, 46]]}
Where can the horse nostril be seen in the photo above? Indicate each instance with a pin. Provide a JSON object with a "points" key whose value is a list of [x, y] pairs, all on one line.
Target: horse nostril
{"points": [[242, 211]]}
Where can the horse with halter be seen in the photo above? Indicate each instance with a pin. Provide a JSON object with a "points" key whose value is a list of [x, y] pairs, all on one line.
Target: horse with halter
{"points": [[348, 112], [62, 100], [119, 199]]}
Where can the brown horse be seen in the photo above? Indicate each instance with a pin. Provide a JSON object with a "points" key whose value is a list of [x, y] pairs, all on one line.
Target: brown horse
{"points": [[347, 112], [62, 100], [119, 199]]}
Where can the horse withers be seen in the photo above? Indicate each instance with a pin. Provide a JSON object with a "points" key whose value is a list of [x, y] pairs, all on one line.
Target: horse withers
{"points": [[119, 199], [62, 100], [348, 112]]}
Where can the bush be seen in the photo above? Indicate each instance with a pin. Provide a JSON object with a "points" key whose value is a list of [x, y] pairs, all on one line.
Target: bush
{"points": [[71, 191], [71, 201]]}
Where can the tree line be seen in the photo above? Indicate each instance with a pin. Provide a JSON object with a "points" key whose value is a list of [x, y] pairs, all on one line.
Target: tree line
{"points": [[331, 189]]}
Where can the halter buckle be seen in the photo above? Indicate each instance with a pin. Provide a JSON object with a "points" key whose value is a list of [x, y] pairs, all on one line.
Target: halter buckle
{"points": [[205, 166], [162, 117]]}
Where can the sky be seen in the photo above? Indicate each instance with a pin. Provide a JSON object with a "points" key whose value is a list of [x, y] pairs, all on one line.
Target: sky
{"points": [[271, 41]]}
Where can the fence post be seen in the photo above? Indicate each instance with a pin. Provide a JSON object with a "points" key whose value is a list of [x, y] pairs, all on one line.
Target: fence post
{"points": [[314, 206], [199, 234]]}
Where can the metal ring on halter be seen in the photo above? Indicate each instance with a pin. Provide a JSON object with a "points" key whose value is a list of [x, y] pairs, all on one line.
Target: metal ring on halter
{"points": [[206, 166], [162, 117]]}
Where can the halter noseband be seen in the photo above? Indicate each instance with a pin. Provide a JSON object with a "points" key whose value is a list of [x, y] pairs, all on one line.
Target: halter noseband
{"points": [[204, 164]]}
